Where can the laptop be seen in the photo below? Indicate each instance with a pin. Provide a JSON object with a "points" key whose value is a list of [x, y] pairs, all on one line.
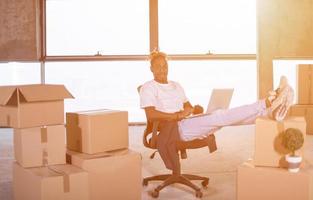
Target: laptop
{"points": [[220, 99]]}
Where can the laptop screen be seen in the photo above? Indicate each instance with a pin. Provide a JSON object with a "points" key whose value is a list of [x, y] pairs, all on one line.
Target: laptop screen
{"points": [[220, 99]]}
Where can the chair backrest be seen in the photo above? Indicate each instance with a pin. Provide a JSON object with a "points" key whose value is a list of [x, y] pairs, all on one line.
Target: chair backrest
{"points": [[151, 131]]}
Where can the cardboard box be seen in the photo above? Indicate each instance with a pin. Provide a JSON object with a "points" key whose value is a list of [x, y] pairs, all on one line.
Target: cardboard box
{"points": [[268, 183], [112, 175], [32, 105], [97, 131], [305, 111], [269, 150], [57, 182], [40, 146], [304, 84]]}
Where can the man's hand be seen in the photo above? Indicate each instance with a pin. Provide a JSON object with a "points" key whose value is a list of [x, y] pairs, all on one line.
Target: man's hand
{"points": [[197, 109], [183, 114]]}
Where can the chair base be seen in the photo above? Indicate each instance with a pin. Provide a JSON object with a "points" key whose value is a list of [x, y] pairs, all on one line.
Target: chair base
{"points": [[169, 179]]}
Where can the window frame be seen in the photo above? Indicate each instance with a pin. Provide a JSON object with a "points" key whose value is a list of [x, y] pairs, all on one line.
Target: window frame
{"points": [[154, 44]]}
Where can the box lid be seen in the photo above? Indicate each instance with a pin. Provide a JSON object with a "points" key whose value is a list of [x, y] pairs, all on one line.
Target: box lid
{"points": [[99, 162], [55, 170], [96, 112], [305, 168], [84, 156], [6, 92], [299, 119], [33, 93]]}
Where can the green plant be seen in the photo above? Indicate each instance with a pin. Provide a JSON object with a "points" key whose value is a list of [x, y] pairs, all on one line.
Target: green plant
{"points": [[292, 140]]}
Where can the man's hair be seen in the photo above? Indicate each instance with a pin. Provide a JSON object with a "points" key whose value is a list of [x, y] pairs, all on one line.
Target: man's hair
{"points": [[154, 55]]}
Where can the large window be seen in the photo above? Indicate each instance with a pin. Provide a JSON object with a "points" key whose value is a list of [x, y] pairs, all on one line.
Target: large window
{"points": [[121, 27], [84, 27], [218, 26], [199, 78], [14, 73], [99, 85], [113, 85]]}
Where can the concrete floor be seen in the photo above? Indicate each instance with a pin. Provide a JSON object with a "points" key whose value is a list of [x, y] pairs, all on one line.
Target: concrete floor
{"points": [[235, 145]]}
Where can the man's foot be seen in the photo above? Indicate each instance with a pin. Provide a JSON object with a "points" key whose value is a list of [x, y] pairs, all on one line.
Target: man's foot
{"points": [[271, 97], [284, 99]]}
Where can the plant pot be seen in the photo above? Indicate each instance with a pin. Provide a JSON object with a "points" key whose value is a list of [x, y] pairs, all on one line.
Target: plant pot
{"points": [[293, 163]]}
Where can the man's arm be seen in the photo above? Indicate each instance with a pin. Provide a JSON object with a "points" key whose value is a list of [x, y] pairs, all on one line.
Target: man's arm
{"points": [[188, 109], [153, 114]]}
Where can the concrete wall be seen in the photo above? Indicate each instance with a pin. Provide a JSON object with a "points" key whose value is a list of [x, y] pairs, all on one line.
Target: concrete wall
{"points": [[19, 30], [284, 29]]}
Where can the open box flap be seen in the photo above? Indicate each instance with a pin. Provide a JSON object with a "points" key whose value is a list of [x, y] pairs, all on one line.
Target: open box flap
{"points": [[6, 93], [44, 92]]}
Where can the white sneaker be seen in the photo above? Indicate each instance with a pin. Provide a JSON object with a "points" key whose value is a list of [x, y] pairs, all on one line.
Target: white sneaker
{"points": [[283, 101], [271, 96]]}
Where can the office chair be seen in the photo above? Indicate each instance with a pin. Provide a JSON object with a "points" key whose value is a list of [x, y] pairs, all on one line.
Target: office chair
{"points": [[150, 139]]}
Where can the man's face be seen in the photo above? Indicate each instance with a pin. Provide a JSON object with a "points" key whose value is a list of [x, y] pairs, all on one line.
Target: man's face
{"points": [[159, 69]]}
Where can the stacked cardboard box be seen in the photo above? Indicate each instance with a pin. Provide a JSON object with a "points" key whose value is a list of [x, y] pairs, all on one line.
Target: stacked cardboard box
{"points": [[53, 182], [304, 104], [98, 143], [103, 166], [36, 112], [40, 146], [266, 176], [273, 183], [305, 84], [269, 150], [307, 112], [97, 131]]}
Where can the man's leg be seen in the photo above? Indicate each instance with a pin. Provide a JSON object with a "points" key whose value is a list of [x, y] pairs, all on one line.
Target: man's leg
{"points": [[203, 125], [278, 102]]}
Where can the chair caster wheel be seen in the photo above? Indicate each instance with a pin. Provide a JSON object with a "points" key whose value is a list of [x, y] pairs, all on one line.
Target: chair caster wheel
{"points": [[144, 182], [155, 194], [205, 183], [199, 194]]}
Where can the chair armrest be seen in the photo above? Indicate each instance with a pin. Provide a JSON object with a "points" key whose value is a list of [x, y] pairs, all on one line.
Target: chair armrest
{"points": [[199, 143], [153, 130], [153, 140], [211, 143]]}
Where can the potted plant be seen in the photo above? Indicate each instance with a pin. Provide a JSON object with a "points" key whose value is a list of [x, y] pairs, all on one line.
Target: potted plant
{"points": [[293, 140]]}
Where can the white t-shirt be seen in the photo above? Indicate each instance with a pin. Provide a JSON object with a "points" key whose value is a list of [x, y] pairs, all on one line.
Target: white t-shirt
{"points": [[168, 98]]}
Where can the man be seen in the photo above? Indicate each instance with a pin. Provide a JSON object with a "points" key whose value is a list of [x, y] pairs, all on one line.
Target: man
{"points": [[165, 100]]}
